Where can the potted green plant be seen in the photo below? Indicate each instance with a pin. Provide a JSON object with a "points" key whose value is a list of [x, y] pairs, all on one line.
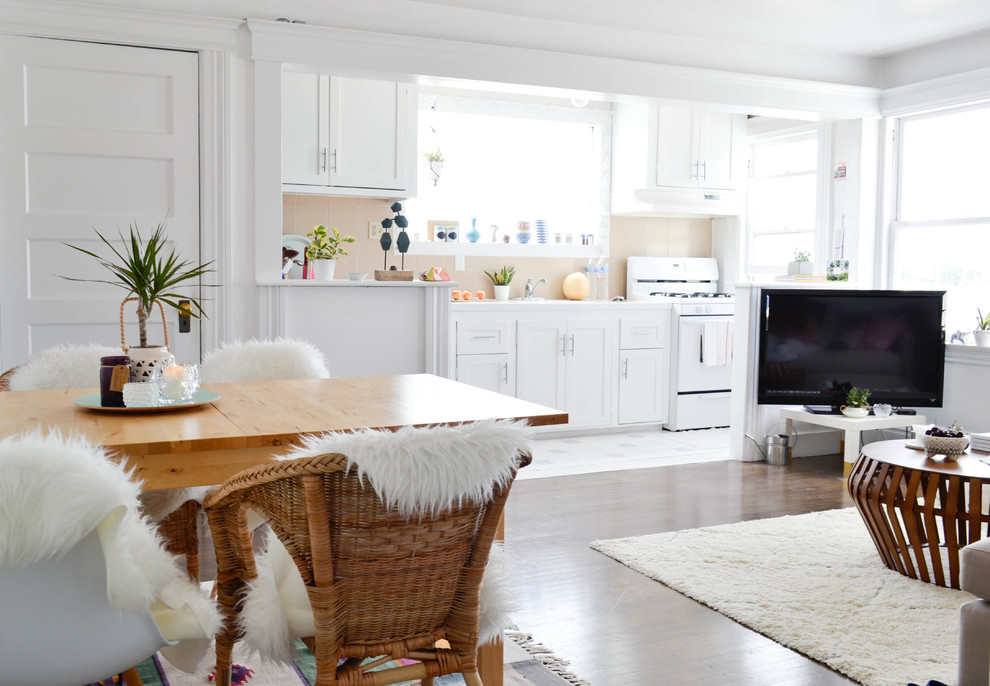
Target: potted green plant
{"points": [[501, 280], [436, 160], [150, 272], [857, 402], [324, 250], [801, 264], [982, 331]]}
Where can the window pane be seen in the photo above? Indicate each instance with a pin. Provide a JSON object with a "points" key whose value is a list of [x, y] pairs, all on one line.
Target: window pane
{"points": [[783, 204], [779, 249], [944, 170], [947, 258], [503, 169], [786, 156]]}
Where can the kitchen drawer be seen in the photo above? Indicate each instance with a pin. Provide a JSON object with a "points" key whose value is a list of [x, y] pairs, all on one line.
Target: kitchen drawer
{"points": [[643, 332], [484, 337]]}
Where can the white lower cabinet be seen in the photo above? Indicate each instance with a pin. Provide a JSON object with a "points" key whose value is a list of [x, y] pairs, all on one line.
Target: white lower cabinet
{"points": [[603, 369]]}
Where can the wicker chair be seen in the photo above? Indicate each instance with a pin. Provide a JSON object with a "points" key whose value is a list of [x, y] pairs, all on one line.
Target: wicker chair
{"points": [[381, 581]]}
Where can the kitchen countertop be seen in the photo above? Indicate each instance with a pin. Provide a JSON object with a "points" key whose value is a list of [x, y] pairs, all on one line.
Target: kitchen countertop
{"points": [[367, 283], [467, 306]]}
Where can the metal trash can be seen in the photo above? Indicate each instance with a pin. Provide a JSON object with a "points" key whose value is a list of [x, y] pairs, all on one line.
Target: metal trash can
{"points": [[778, 449]]}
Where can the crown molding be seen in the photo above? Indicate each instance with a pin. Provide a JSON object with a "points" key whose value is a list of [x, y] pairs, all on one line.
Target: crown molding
{"points": [[937, 93], [73, 21], [359, 52]]}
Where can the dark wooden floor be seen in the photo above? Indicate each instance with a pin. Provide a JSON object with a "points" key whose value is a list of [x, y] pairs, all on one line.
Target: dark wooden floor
{"points": [[618, 627]]}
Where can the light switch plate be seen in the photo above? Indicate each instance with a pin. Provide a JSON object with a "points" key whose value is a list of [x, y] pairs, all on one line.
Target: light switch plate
{"points": [[375, 230]]}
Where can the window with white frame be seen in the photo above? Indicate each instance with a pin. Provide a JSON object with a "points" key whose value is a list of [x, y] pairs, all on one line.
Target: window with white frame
{"points": [[940, 231], [506, 161], [782, 199]]}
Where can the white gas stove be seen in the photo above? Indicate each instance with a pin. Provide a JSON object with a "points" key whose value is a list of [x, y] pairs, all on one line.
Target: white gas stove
{"points": [[701, 335]]}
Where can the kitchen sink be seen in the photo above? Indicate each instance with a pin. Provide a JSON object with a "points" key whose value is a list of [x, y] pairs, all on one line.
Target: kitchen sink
{"points": [[529, 300]]}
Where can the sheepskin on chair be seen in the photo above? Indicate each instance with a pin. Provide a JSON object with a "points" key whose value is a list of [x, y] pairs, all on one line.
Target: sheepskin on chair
{"points": [[55, 491], [253, 360], [412, 470], [62, 366]]}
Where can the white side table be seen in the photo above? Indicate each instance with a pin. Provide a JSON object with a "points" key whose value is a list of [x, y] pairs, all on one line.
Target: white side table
{"points": [[852, 426]]}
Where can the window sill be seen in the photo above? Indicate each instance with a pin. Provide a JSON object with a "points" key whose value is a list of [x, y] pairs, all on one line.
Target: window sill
{"points": [[459, 249]]}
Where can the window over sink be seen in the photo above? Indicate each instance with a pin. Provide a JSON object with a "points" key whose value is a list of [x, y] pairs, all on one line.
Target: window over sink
{"points": [[489, 162]]}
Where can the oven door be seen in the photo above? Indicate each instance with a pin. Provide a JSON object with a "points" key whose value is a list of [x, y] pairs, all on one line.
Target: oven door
{"points": [[693, 375]]}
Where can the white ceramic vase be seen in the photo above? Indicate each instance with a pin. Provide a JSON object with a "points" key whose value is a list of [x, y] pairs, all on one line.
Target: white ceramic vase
{"points": [[143, 361], [982, 337], [501, 293], [323, 269]]}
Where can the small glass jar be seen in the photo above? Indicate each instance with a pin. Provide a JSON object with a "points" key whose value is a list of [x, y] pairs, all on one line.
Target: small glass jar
{"points": [[115, 371]]}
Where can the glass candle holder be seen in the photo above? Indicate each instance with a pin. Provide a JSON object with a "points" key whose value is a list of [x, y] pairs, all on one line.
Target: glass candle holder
{"points": [[882, 410], [115, 372], [142, 394]]}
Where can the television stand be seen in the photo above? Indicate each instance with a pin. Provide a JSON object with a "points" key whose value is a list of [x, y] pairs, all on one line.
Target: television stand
{"points": [[852, 427], [823, 409]]}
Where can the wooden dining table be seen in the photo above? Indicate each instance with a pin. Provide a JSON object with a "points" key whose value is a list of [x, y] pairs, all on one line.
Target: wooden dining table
{"points": [[251, 422]]}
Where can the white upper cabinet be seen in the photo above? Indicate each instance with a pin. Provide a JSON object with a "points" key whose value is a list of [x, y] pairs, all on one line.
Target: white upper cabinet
{"points": [[348, 136], [697, 148]]}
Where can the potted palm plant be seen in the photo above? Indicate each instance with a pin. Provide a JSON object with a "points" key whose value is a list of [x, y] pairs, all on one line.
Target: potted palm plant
{"points": [[501, 280], [324, 251], [150, 272]]}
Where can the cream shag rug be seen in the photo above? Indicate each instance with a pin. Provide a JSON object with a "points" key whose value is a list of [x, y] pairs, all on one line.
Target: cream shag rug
{"points": [[813, 583]]}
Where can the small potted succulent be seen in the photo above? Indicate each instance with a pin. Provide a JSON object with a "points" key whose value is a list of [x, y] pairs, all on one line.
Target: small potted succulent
{"points": [[982, 332], [324, 251], [801, 264], [857, 402], [501, 280]]}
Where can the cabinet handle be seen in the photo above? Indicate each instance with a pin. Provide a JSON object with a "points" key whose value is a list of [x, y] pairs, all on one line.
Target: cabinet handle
{"points": [[625, 368], [323, 164], [696, 163], [572, 345], [563, 345], [480, 338], [701, 348], [643, 332], [704, 170], [335, 160], [505, 373]]}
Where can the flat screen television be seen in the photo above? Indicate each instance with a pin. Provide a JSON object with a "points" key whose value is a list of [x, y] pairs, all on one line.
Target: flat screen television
{"points": [[816, 344]]}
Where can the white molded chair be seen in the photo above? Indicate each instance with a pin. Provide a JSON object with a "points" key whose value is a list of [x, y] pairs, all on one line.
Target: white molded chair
{"points": [[86, 589], [282, 358]]}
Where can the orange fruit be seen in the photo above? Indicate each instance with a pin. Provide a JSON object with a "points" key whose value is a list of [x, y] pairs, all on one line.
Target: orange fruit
{"points": [[456, 295], [466, 295], [480, 295]]}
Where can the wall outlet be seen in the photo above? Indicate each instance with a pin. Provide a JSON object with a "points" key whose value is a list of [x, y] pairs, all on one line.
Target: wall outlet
{"points": [[375, 230]]}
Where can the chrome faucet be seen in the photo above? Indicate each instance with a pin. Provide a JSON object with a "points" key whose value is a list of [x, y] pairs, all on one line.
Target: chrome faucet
{"points": [[530, 288]]}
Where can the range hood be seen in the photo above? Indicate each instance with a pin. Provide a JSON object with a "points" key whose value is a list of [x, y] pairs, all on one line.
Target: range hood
{"points": [[660, 201]]}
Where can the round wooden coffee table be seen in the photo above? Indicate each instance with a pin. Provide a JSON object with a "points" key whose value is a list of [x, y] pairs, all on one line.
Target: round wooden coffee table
{"points": [[920, 511]]}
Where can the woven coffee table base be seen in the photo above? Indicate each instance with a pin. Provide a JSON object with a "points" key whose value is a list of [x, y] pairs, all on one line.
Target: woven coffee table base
{"points": [[919, 519]]}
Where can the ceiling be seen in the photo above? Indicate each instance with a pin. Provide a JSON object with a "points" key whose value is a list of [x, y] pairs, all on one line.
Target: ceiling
{"points": [[865, 28]]}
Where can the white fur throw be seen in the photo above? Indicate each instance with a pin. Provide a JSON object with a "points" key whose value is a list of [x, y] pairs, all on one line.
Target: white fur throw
{"points": [[55, 491], [413, 470], [253, 360], [63, 366]]}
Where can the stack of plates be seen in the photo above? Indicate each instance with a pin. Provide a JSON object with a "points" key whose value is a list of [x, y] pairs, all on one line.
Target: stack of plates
{"points": [[541, 231], [980, 442]]}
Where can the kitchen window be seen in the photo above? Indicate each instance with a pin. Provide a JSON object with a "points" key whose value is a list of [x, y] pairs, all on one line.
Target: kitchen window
{"points": [[782, 200], [940, 233], [506, 161]]}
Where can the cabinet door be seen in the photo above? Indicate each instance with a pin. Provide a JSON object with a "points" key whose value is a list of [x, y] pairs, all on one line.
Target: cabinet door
{"points": [[305, 128], [676, 149], [540, 362], [590, 356], [491, 372], [717, 141], [642, 387], [369, 133]]}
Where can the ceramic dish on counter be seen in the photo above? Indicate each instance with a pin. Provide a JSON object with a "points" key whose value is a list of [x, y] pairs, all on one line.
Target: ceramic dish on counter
{"points": [[357, 276]]}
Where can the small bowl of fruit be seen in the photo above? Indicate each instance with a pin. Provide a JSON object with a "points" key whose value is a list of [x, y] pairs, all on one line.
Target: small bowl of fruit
{"points": [[951, 442]]}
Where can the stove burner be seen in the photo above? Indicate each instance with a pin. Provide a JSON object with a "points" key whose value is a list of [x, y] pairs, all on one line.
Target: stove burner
{"points": [[662, 294]]}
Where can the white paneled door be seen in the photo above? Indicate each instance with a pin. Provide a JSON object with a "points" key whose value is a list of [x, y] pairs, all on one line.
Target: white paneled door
{"points": [[91, 136]]}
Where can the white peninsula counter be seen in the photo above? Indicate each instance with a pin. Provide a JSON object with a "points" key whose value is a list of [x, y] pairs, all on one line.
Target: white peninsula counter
{"points": [[365, 328]]}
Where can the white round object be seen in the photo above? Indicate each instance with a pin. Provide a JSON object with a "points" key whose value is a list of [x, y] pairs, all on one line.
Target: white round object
{"points": [[576, 286], [357, 276]]}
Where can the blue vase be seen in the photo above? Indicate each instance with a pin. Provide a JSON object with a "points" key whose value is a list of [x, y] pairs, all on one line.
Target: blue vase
{"points": [[473, 235]]}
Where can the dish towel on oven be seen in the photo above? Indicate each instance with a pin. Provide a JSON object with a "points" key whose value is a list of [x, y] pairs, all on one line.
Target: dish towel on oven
{"points": [[717, 346]]}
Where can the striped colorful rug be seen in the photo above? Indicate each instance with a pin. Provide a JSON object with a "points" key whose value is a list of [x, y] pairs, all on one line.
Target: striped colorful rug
{"points": [[526, 664]]}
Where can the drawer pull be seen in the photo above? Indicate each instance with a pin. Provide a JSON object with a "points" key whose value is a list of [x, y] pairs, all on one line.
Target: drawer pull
{"points": [[480, 338]]}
